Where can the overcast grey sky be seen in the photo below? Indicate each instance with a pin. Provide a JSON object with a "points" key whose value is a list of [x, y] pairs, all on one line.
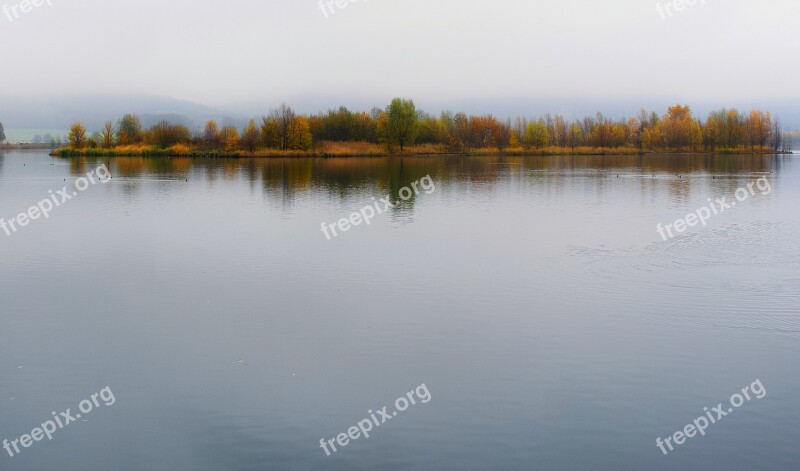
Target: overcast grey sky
{"points": [[224, 52]]}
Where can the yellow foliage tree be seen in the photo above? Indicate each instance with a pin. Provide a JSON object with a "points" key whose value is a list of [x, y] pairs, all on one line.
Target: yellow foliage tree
{"points": [[300, 134], [677, 127], [250, 137], [77, 136], [230, 138]]}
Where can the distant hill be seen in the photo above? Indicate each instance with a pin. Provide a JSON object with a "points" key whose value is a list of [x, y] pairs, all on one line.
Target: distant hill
{"points": [[59, 112]]}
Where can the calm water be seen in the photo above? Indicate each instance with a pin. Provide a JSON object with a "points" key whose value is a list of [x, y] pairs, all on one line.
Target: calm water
{"points": [[551, 324]]}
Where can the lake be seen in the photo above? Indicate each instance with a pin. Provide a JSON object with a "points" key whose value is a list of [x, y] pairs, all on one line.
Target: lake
{"points": [[551, 325]]}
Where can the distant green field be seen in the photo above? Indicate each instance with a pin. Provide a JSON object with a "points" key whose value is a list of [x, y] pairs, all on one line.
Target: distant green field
{"points": [[27, 135]]}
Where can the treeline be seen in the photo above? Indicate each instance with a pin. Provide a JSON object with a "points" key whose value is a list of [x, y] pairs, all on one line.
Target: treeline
{"points": [[48, 139], [400, 125]]}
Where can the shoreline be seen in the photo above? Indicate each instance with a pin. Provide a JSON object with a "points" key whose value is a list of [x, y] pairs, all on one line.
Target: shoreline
{"points": [[26, 147], [67, 153]]}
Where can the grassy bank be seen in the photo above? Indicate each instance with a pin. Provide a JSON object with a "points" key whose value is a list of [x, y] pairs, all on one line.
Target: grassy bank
{"points": [[364, 149]]}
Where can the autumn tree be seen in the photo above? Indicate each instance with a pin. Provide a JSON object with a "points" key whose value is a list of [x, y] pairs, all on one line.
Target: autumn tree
{"points": [[502, 135], [428, 129], [165, 135], [678, 127], [317, 125], [759, 129], [487, 132], [574, 135], [634, 133], [401, 124], [620, 134], [713, 131], [338, 125], [299, 134], [229, 136], [210, 137], [653, 137], [462, 131], [446, 130], [536, 135], [734, 129], [129, 130], [365, 128], [283, 117], [560, 130], [270, 133], [551, 128], [343, 125], [77, 136], [483, 130], [107, 135], [599, 130], [250, 137]]}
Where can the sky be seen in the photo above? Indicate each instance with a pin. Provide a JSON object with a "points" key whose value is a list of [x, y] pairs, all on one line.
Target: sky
{"points": [[221, 53]]}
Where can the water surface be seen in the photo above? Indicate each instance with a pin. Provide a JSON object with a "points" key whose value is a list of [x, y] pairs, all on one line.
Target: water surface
{"points": [[552, 325]]}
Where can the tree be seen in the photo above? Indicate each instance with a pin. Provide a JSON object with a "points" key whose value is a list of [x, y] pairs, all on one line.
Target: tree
{"points": [[37, 139], [445, 132], [283, 117], [536, 134], [734, 129], [270, 133], [250, 137], [343, 125], [107, 135], [77, 136], [402, 123], [383, 132], [230, 138], [485, 131], [759, 129], [713, 131], [300, 134], [560, 131], [365, 128], [428, 129], [502, 137], [2, 134], [165, 135], [462, 131], [601, 132], [653, 137], [678, 127], [130, 130], [211, 138], [574, 135], [619, 134], [777, 135]]}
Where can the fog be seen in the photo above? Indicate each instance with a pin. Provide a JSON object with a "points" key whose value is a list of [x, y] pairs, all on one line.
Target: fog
{"points": [[226, 54]]}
